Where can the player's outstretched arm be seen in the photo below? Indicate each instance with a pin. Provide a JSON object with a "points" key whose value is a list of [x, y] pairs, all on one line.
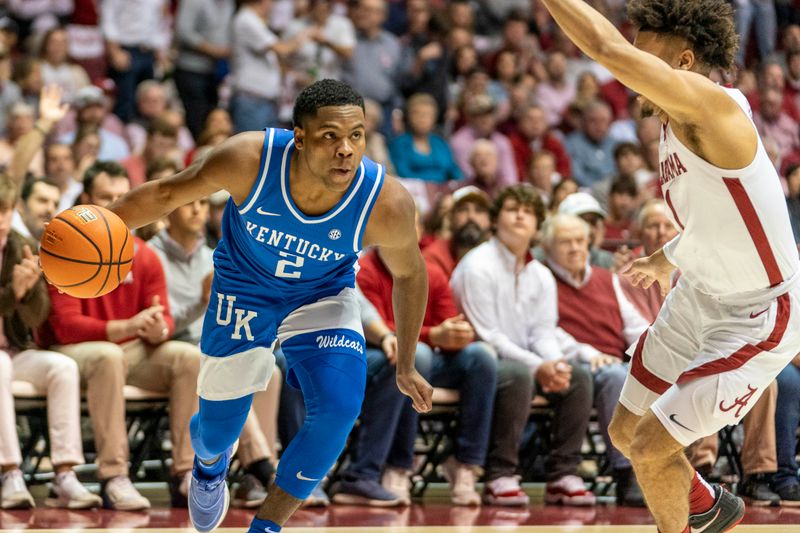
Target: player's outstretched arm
{"points": [[392, 229], [684, 95], [233, 166]]}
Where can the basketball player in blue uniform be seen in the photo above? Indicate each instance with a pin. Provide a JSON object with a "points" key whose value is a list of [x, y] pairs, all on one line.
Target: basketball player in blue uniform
{"points": [[303, 204]]}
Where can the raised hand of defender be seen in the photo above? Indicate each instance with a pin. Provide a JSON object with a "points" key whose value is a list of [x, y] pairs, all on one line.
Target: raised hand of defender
{"points": [[51, 108], [653, 269], [413, 385], [25, 274]]}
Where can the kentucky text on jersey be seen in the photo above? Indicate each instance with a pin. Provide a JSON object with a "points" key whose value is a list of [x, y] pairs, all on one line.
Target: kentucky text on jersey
{"points": [[291, 243], [671, 168]]}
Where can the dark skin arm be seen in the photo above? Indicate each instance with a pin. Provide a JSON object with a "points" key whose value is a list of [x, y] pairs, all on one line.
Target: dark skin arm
{"points": [[391, 228], [699, 110], [156, 199]]}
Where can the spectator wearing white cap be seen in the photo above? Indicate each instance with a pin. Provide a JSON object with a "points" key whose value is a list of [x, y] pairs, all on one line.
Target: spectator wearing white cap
{"points": [[585, 206], [91, 109]]}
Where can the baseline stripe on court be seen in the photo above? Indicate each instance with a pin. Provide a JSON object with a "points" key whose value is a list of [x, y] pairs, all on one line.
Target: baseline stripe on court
{"points": [[640, 372], [748, 351], [756, 230]]}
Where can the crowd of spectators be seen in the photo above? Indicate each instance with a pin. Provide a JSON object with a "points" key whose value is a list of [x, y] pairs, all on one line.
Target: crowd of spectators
{"points": [[536, 182]]}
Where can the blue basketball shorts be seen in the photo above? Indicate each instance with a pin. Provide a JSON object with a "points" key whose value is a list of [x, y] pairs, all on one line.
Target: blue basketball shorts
{"points": [[244, 320]]}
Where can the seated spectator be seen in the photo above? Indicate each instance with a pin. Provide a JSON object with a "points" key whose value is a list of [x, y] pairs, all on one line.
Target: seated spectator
{"points": [[37, 204], [531, 136], [556, 92], [27, 74], [583, 205], [188, 268], [561, 190], [91, 108], [542, 174], [787, 418], [481, 125], [654, 230], [629, 163], [124, 337], [603, 335], [56, 66], [25, 307], [793, 198], [774, 123], [510, 299], [447, 357], [436, 224], [419, 153], [377, 149], [21, 120], [86, 146], [591, 149], [10, 93], [151, 102], [59, 166], [162, 142], [469, 226], [623, 200], [485, 167]]}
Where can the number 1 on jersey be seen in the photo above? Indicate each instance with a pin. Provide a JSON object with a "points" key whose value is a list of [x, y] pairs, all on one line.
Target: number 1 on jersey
{"points": [[294, 261]]}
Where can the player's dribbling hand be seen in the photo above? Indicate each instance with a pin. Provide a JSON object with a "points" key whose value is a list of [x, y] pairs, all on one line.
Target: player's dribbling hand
{"points": [[413, 385], [652, 269]]}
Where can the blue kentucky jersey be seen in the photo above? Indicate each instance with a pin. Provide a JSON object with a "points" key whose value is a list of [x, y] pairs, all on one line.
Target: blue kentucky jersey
{"points": [[269, 240]]}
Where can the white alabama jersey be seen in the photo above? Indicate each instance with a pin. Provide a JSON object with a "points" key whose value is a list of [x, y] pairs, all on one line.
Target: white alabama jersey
{"points": [[735, 239]]}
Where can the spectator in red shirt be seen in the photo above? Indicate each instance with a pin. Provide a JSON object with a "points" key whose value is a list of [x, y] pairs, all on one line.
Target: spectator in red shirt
{"points": [[123, 337], [453, 361], [533, 135], [162, 143], [469, 223], [622, 202]]}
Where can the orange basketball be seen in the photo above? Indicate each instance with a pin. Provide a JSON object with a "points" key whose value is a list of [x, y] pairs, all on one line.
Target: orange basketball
{"points": [[86, 251]]}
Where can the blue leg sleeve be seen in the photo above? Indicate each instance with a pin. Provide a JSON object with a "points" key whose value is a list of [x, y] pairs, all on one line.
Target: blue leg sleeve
{"points": [[217, 425], [333, 387]]}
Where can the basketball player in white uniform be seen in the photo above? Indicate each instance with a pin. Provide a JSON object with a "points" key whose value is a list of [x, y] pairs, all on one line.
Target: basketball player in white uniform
{"points": [[731, 323]]}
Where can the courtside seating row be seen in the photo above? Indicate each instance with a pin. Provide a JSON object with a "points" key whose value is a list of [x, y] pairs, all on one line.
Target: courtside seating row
{"points": [[147, 423]]}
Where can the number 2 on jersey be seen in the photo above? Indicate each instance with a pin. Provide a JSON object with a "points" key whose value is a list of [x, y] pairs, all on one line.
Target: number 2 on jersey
{"points": [[293, 262]]}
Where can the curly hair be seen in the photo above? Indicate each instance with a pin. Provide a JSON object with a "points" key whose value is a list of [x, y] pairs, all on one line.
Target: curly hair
{"points": [[706, 24], [323, 93], [523, 194]]}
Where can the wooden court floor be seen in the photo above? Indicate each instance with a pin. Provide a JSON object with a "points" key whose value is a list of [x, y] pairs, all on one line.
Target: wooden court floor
{"points": [[423, 518]]}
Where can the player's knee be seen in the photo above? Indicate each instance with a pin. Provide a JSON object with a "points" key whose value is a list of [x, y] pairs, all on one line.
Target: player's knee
{"points": [[650, 443], [340, 405], [620, 434]]}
